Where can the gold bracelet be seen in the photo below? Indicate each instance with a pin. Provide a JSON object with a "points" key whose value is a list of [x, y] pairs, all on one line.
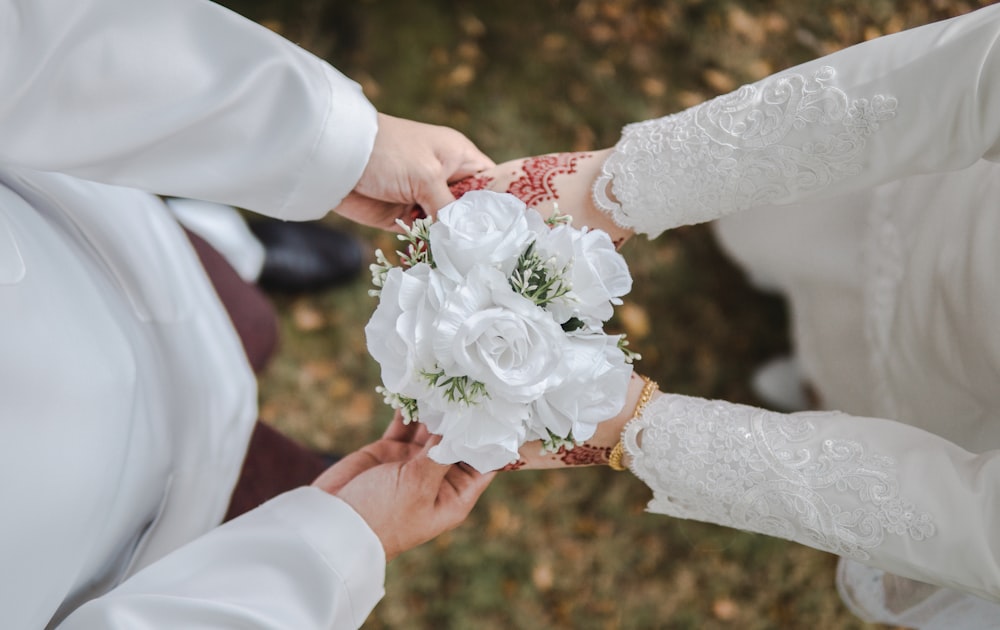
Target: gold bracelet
{"points": [[617, 454]]}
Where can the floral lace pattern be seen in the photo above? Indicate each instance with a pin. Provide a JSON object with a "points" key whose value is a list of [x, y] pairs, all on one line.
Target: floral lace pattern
{"points": [[763, 143], [768, 472]]}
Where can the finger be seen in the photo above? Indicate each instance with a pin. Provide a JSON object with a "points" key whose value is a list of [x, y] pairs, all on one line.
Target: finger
{"points": [[428, 473], [474, 162], [337, 476], [391, 451], [467, 482], [435, 196], [399, 431], [432, 440], [475, 483], [356, 204], [421, 434], [458, 494], [373, 212]]}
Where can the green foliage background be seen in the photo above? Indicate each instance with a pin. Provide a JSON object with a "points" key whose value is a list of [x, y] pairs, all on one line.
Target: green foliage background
{"points": [[573, 549]]}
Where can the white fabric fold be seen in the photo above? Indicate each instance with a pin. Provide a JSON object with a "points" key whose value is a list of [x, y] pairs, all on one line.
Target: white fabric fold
{"points": [[181, 98], [291, 550], [127, 400]]}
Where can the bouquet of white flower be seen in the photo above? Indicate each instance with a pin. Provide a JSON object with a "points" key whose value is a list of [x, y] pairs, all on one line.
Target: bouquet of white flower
{"points": [[491, 329]]}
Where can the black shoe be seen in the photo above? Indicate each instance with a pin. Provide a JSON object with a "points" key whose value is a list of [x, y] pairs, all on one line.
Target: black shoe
{"points": [[304, 257]]}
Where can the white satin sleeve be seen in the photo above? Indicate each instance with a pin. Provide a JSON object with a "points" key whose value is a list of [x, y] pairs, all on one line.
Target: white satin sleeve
{"points": [[303, 560], [181, 98], [924, 100], [878, 491]]}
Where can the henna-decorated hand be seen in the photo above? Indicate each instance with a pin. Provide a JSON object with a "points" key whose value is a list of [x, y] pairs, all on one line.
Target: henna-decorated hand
{"points": [[544, 182]]}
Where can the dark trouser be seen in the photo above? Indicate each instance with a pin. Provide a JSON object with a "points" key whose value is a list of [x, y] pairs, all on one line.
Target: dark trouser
{"points": [[273, 463]]}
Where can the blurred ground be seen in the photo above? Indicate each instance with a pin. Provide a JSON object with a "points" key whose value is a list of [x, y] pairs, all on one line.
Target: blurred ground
{"points": [[573, 549]]}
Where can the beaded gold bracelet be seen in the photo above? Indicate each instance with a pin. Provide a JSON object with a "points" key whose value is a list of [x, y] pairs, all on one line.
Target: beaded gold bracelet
{"points": [[617, 454]]}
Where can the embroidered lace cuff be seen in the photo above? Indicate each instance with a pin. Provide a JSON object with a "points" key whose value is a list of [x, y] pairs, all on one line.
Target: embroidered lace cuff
{"points": [[769, 473], [769, 142]]}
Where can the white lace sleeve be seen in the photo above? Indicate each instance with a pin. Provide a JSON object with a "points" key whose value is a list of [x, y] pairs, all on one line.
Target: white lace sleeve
{"points": [[875, 490], [915, 102]]}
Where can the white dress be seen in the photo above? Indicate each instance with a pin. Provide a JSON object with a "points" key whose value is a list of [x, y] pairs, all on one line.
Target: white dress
{"points": [[864, 185], [126, 401]]}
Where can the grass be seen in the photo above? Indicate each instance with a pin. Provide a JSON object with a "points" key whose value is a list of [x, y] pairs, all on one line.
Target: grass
{"points": [[573, 549]]}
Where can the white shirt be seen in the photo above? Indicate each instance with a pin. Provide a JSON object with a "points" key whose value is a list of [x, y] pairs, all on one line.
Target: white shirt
{"points": [[126, 400]]}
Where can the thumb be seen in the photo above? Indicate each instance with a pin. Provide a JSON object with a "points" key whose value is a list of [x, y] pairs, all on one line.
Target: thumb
{"points": [[468, 482]]}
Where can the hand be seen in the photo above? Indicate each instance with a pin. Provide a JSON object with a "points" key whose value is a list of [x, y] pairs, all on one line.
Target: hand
{"points": [[546, 181], [409, 169], [592, 452], [400, 442], [404, 496]]}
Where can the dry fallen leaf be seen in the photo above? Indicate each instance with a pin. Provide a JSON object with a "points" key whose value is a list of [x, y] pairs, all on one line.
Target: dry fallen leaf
{"points": [[725, 609], [316, 370], [759, 68], [653, 87], [306, 317], [747, 26], [472, 26], [554, 42], [358, 410], [634, 319], [719, 81], [687, 98], [461, 75], [502, 520], [340, 387], [542, 576]]}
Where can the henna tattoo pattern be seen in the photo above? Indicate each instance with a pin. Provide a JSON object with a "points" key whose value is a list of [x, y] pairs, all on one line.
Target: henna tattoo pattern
{"points": [[473, 182], [537, 183], [584, 455], [518, 465]]}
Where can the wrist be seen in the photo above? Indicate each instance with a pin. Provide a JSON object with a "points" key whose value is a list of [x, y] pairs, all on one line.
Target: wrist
{"points": [[594, 215], [609, 432], [619, 459], [596, 450]]}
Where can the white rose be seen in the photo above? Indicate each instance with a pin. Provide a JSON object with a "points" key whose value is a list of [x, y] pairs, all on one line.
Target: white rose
{"points": [[486, 437], [598, 273], [493, 335], [592, 388], [399, 331], [482, 227]]}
